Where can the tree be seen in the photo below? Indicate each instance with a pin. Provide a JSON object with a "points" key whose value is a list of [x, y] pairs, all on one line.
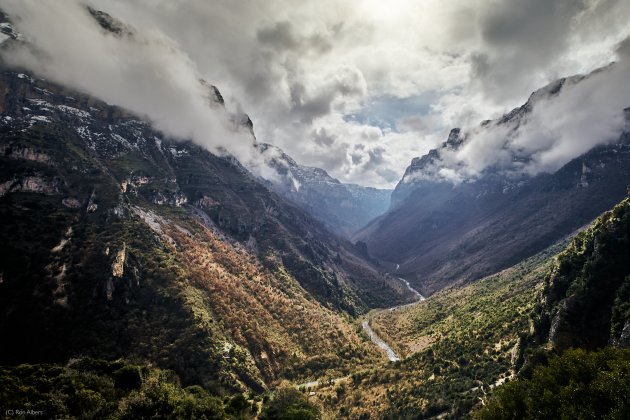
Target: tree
{"points": [[577, 384], [290, 404]]}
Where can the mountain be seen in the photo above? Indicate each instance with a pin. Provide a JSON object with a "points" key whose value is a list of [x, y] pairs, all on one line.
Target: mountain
{"points": [[576, 353], [121, 242], [586, 301], [344, 208], [143, 276], [439, 232], [455, 347]]}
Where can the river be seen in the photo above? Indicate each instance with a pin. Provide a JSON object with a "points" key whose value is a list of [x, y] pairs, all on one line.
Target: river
{"points": [[391, 354]]}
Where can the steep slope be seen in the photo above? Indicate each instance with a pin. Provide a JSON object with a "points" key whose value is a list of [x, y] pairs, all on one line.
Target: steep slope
{"points": [[573, 364], [88, 388], [344, 208], [440, 233], [586, 301], [466, 341], [119, 242], [576, 384]]}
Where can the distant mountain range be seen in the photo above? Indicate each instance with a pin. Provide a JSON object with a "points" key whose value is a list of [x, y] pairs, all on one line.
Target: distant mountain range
{"points": [[344, 208], [439, 233]]}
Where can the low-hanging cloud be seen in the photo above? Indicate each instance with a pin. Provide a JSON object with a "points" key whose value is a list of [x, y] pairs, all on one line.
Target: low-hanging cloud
{"points": [[299, 68], [143, 71], [587, 112]]}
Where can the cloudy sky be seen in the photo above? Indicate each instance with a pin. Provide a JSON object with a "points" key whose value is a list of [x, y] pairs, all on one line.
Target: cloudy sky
{"points": [[355, 87]]}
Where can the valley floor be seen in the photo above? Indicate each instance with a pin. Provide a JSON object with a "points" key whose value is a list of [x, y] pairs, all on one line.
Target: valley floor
{"points": [[445, 353], [365, 324]]}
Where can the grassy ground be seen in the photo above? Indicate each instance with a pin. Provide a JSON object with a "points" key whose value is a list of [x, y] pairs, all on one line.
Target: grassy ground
{"points": [[456, 345]]}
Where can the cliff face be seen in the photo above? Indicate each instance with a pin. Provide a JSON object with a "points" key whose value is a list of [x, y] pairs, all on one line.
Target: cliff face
{"points": [[586, 301], [117, 241], [568, 364], [344, 208]]}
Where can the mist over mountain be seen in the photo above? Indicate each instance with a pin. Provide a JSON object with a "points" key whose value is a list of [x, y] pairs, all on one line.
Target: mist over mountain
{"points": [[558, 123], [344, 208], [121, 217], [444, 227], [318, 91]]}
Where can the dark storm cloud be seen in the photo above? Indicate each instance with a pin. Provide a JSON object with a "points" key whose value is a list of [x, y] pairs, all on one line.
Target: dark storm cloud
{"points": [[376, 158], [356, 158], [322, 138], [540, 25], [623, 49], [523, 39], [279, 37], [309, 106], [282, 37]]}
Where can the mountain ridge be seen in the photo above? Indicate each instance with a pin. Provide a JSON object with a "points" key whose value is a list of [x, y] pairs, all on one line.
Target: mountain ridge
{"points": [[344, 208], [440, 232], [123, 243]]}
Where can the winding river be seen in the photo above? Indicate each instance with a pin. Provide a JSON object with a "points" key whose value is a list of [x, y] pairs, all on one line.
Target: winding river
{"points": [[391, 354]]}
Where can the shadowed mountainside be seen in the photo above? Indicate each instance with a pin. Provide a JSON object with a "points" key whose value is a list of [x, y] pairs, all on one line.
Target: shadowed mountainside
{"points": [[122, 242], [344, 208], [440, 233]]}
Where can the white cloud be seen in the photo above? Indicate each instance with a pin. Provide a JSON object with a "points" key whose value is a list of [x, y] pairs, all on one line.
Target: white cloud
{"points": [[586, 112], [300, 69], [147, 73]]}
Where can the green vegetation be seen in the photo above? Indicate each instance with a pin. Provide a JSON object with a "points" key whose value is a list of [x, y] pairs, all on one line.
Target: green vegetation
{"points": [[458, 344], [575, 385], [220, 281], [290, 404], [586, 296], [585, 303], [466, 341], [97, 389], [236, 292]]}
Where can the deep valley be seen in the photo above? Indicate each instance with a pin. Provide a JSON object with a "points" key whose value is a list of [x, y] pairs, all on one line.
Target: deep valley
{"points": [[162, 257]]}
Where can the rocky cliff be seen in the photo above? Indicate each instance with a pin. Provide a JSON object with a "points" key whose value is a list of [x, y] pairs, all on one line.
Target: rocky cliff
{"points": [[586, 301], [344, 208]]}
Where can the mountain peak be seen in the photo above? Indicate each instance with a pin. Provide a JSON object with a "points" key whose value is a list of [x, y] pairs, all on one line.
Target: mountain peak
{"points": [[442, 229], [111, 24], [454, 140], [344, 208]]}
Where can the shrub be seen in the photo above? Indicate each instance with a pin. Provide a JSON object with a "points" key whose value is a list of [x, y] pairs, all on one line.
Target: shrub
{"points": [[577, 384], [290, 404]]}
